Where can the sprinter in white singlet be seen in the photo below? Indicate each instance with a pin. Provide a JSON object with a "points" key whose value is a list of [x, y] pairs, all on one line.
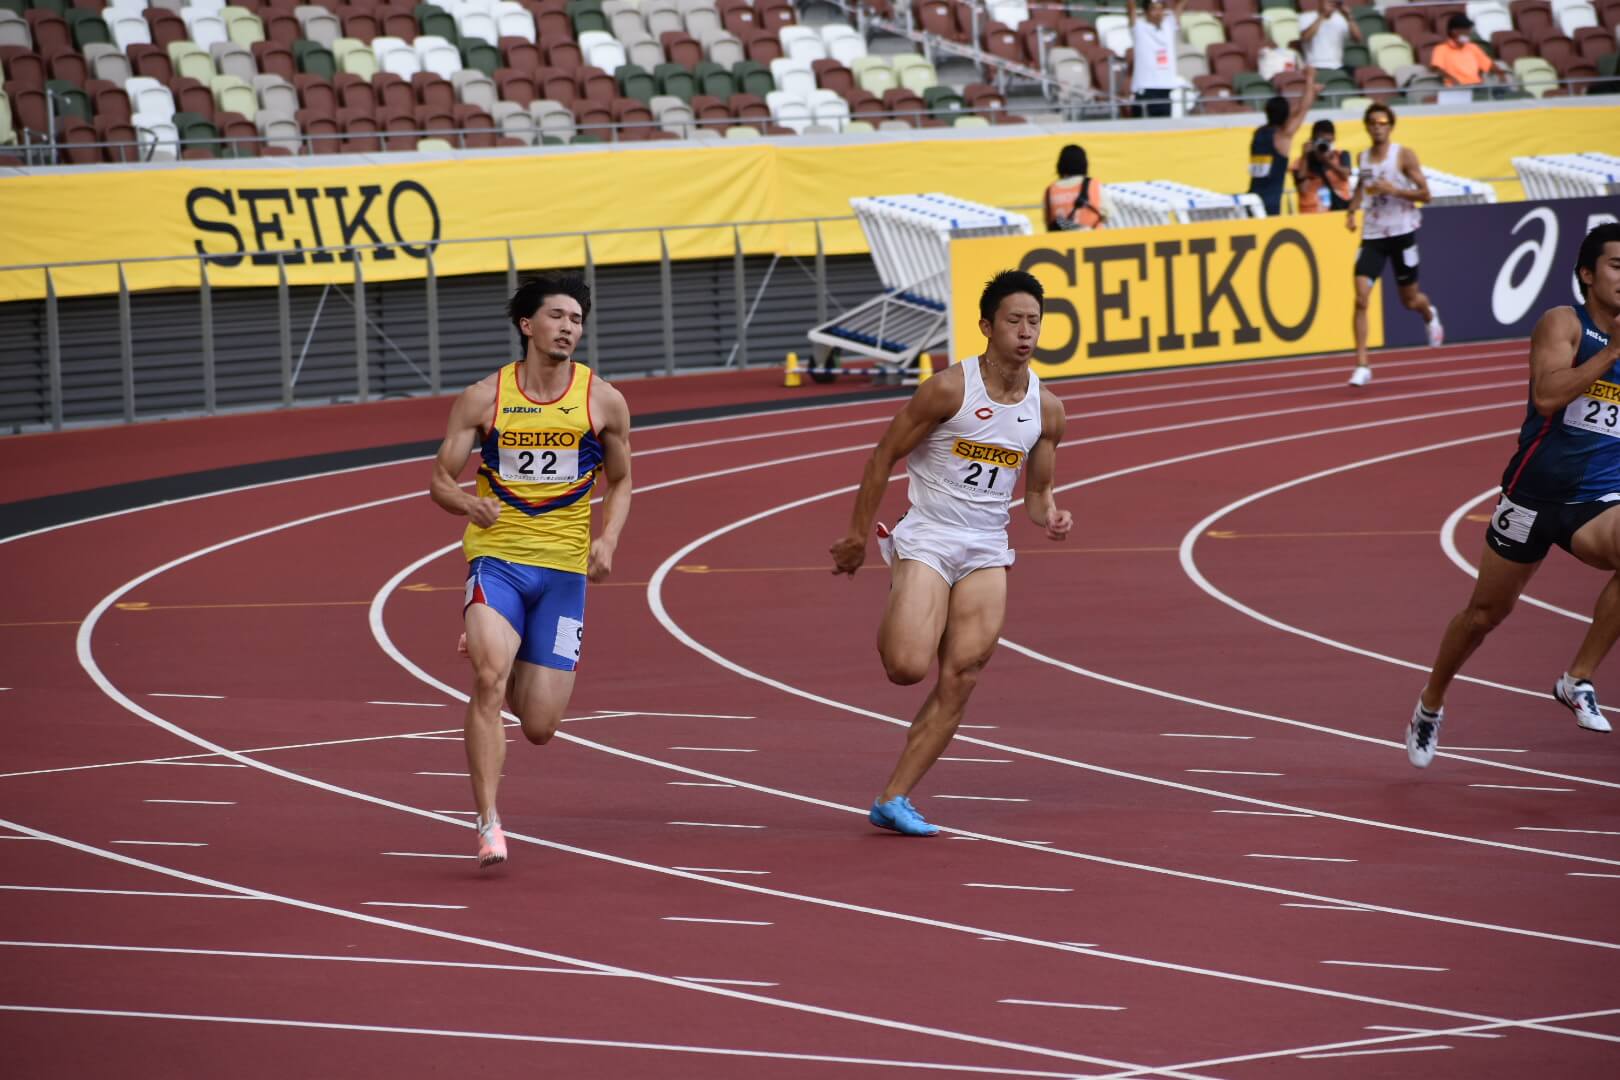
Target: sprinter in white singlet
{"points": [[969, 432], [1389, 185]]}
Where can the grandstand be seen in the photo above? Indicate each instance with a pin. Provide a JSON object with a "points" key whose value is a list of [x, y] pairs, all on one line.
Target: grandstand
{"points": [[95, 81]]}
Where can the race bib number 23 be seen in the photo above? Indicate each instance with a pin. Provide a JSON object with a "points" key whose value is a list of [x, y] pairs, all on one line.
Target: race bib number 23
{"points": [[1597, 410]]}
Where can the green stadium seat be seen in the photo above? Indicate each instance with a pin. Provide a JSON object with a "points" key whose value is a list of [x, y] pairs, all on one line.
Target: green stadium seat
{"points": [[587, 15], [752, 78], [58, 6], [1371, 22], [88, 28], [438, 22], [195, 128], [942, 100], [636, 82], [16, 6], [1356, 56], [676, 80], [480, 55], [70, 99], [587, 137], [714, 80], [314, 58]]}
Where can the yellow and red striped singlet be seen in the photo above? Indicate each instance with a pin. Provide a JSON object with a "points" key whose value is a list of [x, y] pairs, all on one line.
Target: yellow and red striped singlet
{"points": [[539, 458]]}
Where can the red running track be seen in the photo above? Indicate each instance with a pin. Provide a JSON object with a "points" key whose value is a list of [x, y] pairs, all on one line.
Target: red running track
{"points": [[1182, 836]]}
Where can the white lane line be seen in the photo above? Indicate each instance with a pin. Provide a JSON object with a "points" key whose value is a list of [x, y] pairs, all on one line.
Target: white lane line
{"points": [[411, 704], [199, 697], [722, 922], [1448, 544], [403, 904], [1577, 873], [978, 727], [244, 954], [697, 783], [1363, 1053], [441, 738], [193, 802], [1582, 832], [716, 749], [161, 843], [469, 813], [1189, 564], [1081, 944], [124, 892], [1264, 813], [980, 798], [1391, 967], [981, 760], [1520, 787], [1488, 749], [1408, 1035], [1429, 1032], [1326, 907], [1060, 1004], [681, 715], [553, 1040], [192, 764], [443, 774], [718, 870], [713, 825], [1200, 735], [427, 855], [1019, 888], [1296, 858], [19, 838], [724, 982], [1233, 772]]}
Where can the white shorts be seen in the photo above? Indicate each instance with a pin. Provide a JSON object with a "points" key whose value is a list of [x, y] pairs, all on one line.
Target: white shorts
{"points": [[949, 550]]}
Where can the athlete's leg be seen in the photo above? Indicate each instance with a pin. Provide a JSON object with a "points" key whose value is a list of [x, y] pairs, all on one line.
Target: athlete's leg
{"points": [[1364, 286], [1497, 590], [913, 621], [492, 643], [539, 696], [1415, 299], [1597, 543], [977, 606]]}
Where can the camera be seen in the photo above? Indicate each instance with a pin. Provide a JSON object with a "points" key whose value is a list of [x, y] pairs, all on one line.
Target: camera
{"points": [[1322, 147]]}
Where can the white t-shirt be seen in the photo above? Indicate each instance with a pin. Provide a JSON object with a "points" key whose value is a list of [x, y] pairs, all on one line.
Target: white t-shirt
{"points": [[1154, 54], [1326, 47], [964, 472]]}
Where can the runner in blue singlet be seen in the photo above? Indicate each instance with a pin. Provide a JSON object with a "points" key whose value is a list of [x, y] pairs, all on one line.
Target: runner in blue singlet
{"points": [[1562, 486]]}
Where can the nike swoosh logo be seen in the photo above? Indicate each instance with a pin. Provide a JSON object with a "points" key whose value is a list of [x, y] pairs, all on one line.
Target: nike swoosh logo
{"points": [[1023, 419]]}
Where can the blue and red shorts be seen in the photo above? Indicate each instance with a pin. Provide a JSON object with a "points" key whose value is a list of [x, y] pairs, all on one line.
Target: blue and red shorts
{"points": [[546, 607]]}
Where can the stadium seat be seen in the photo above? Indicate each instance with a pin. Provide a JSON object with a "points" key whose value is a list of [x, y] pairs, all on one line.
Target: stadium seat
{"points": [[513, 120], [474, 88], [675, 80], [844, 43], [1536, 75]]}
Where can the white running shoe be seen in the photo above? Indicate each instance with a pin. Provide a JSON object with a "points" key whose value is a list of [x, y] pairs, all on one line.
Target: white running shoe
{"points": [[1437, 333], [1423, 735], [491, 844], [1361, 376], [1579, 696]]}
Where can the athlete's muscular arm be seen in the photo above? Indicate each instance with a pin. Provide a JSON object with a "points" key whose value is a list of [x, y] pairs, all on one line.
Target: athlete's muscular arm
{"points": [[1038, 499], [1554, 381], [612, 416], [467, 416], [935, 402]]}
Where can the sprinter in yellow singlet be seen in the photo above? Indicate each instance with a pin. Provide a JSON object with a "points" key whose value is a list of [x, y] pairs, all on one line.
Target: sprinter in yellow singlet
{"points": [[545, 429]]}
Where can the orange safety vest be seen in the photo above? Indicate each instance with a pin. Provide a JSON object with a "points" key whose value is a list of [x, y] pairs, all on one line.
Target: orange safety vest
{"points": [[1071, 203]]}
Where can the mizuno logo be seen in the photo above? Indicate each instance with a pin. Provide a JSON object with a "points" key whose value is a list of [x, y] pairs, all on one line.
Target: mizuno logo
{"points": [[566, 408], [1595, 336]]}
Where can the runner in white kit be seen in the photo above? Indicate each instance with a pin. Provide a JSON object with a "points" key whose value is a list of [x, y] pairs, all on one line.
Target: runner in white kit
{"points": [[970, 431]]}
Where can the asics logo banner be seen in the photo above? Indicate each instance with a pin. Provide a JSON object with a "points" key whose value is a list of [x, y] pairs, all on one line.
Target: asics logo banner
{"points": [[1511, 299]]}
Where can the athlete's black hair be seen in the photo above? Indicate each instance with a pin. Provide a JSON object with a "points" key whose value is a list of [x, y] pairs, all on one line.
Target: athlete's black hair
{"points": [[533, 292], [1005, 284], [1592, 249], [1379, 107], [1072, 161], [1277, 111]]}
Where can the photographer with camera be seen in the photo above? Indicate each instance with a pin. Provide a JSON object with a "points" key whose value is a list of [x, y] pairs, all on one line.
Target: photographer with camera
{"points": [[1075, 201], [1269, 149], [1322, 173], [1322, 36]]}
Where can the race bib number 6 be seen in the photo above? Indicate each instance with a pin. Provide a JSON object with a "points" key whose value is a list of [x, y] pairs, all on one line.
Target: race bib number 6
{"points": [[1598, 410], [539, 457], [1512, 520]]}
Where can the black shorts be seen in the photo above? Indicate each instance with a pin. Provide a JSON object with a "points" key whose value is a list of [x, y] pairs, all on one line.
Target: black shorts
{"points": [[1402, 250], [1522, 529]]}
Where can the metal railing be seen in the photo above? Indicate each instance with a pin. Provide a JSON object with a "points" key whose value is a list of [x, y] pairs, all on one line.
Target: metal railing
{"points": [[744, 306]]}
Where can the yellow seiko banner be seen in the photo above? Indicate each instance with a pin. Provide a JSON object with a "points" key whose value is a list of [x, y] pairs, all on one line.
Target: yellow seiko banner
{"points": [[1163, 296], [463, 209]]}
